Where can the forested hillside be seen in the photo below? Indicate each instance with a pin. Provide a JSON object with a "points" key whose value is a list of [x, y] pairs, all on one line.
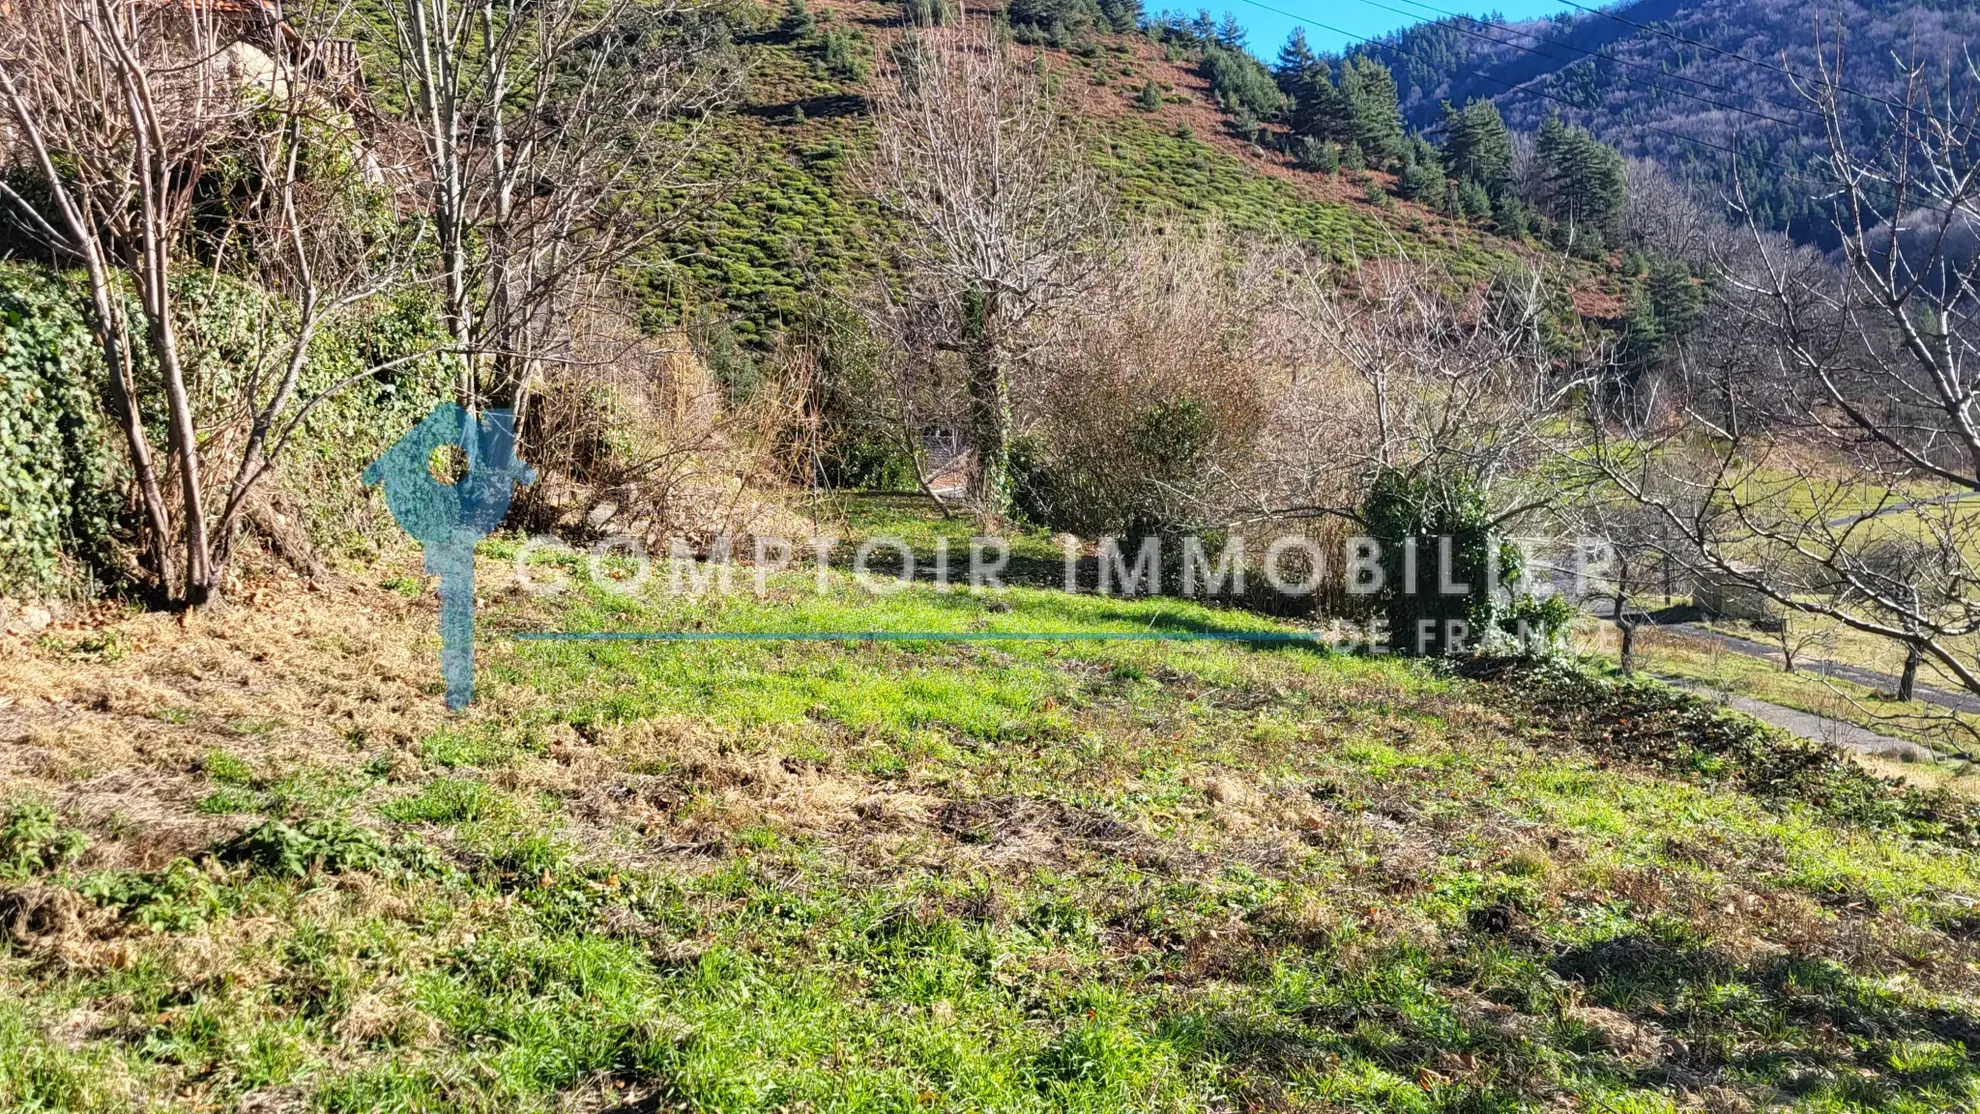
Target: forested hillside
{"points": [[1701, 86]]}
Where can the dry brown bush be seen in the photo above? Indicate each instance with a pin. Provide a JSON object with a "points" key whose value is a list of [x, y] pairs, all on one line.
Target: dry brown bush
{"points": [[1148, 398], [636, 438]]}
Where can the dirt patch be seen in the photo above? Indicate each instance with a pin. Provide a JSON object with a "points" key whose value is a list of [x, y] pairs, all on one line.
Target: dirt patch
{"points": [[1041, 829], [31, 915]]}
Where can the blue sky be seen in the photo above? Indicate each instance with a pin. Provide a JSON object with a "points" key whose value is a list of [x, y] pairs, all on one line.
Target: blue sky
{"points": [[1269, 29]]}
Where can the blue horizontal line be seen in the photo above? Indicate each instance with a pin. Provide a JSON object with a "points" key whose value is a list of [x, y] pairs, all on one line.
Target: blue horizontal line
{"points": [[920, 636]]}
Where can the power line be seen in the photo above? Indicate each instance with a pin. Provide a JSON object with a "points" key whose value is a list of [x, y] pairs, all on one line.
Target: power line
{"points": [[1780, 69], [1540, 41]]}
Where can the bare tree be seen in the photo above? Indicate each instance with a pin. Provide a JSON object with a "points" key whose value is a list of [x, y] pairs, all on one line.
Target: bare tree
{"points": [[1004, 215], [1664, 216], [1459, 383], [1635, 545], [547, 128], [124, 111], [1876, 430]]}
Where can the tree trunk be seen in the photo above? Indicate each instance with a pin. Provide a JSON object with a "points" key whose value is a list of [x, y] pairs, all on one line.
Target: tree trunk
{"points": [[1626, 656], [1908, 680], [990, 408]]}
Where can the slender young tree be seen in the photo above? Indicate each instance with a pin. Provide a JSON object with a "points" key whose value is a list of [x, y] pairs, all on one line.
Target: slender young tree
{"points": [[548, 128]]}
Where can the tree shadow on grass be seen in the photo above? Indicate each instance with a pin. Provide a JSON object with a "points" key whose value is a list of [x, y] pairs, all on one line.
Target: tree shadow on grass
{"points": [[1665, 979], [827, 107]]}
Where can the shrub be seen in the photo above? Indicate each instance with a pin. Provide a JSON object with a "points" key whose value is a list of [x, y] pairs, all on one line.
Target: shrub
{"points": [[1147, 398], [330, 845], [1423, 183], [1436, 531], [32, 842], [844, 53], [1241, 83]]}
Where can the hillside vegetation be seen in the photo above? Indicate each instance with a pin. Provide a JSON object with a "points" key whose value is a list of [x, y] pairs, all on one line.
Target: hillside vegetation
{"points": [[783, 217]]}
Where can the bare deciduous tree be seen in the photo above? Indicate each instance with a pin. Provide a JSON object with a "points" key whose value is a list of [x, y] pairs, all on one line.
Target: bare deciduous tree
{"points": [[1874, 438], [1004, 215], [1460, 384], [548, 128], [124, 111]]}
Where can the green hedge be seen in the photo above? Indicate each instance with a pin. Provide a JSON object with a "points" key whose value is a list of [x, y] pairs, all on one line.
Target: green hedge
{"points": [[62, 477]]}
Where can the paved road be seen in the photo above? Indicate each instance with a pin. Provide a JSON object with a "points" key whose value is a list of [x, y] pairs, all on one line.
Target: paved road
{"points": [[1821, 729], [1897, 508], [1883, 682]]}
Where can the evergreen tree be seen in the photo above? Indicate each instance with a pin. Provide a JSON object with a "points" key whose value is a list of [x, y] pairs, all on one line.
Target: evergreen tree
{"points": [[1642, 341], [1473, 203], [1241, 82], [1122, 15], [1150, 98], [1231, 33], [1370, 92], [1583, 180], [1296, 64], [1318, 109], [1677, 300], [1477, 145], [797, 22], [1422, 176]]}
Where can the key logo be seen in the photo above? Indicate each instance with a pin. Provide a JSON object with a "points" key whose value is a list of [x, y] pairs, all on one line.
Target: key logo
{"points": [[447, 515]]}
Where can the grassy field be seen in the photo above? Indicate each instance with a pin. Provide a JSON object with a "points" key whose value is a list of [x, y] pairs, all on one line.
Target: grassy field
{"points": [[250, 864]]}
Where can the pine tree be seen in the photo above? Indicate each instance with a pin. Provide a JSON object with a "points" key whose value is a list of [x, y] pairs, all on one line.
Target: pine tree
{"points": [[797, 22], [1318, 109], [1473, 202], [1585, 184], [1478, 146], [1295, 65], [1151, 97], [1370, 92], [1422, 176], [1231, 33], [1122, 15], [1678, 301]]}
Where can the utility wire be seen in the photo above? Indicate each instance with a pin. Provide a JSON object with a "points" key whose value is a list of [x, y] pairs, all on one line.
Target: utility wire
{"points": [[1540, 41], [1774, 66]]}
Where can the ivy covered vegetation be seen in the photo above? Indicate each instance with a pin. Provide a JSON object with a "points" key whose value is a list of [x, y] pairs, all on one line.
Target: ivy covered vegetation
{"points": [[61, 480]]}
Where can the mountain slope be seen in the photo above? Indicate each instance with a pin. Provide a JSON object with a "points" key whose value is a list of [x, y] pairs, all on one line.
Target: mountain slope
{"points": [[785, 217], [1687, 82]]}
